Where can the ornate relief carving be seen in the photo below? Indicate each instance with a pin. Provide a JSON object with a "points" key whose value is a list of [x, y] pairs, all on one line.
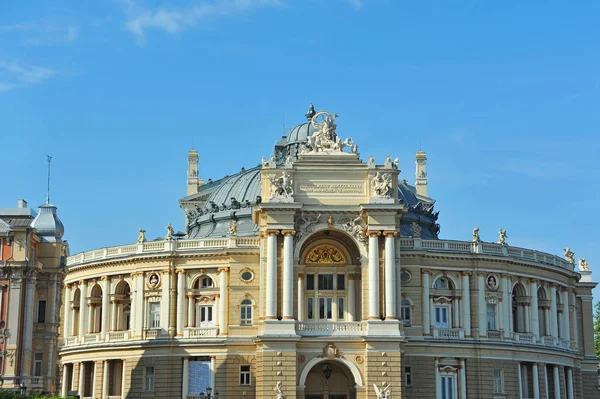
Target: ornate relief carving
{"points": [[153, 280], [381, 185], [383, 393], [357, 228], [325, 138], [416, 229], [281, 187], [330, 351], [325, 254], [304, 225]]}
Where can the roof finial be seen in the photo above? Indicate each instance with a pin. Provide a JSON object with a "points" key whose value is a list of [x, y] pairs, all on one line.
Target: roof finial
{"points": [[48, 193], [311, 112]]}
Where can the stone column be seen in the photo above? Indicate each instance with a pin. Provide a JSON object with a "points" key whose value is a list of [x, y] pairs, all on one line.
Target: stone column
{"points": [[115, 315], [507, 305], [217, 310], [570, 391], [351, 297], [271, 308], [436, 365], [390, 276], [425, 276], [81, 386], [123, 379], [186, 378], [105, 304], [165, 300], [190, 313], [536, 381], [553, 314], [50, 359], [105, 379], [65, 378], [534, 321], [463, 380], [566, 316], [574, 322], [180, 301], [288, 274], [527, 318], [213, 369], [556, 380], [300, 297], [82, 308], [482, 311], [374, 275], [67, 315], [139, 304], [223, 301], [27, 342], [466, 303]]}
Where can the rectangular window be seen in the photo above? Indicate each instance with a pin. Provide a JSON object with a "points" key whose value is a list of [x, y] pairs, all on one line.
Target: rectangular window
{"points": [[37, 364], [498, 381], [405, 313], [325, 306], [149, 379], [447, 386], [491, 316], [41, 314], [246, 314], [441, 317], [341, 282], [309, 308], [325, 281], [154, 310], [408, 376], [340, 308], [244, 375], [310, 281]]}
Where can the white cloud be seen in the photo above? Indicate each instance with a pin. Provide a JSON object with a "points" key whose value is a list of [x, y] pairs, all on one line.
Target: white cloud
{"points": [[15, 75], [175, 20]]}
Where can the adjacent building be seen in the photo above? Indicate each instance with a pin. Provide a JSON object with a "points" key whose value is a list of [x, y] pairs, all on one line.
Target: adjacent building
{"points": [[321, 275], [32, 257]]}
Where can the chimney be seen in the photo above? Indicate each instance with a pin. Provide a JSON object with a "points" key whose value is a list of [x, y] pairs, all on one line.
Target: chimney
{"points": [[22, 203], [421, 173]]}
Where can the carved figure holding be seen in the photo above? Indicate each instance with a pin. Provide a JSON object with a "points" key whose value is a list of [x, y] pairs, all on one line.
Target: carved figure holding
{"points": [[233, 228], [279, 390], [383, 393], [382, 185], [569, 255], [325, 138], [170, 232], [142, 236], [304, 225], [583, 265], [357, 228], [416, 229], [476, 237], [502, 237], [281, 186], [330, 221]]}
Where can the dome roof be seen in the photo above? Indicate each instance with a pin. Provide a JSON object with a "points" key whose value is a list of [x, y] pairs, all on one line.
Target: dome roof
{"points": [[48, 225], [300, 133]]}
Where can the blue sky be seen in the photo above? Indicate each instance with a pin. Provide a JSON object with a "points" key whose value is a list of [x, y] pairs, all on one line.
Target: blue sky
{"points": [[503, 97]]}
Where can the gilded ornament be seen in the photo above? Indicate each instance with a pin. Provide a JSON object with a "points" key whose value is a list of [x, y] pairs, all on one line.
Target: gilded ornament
{"points": [[325, 255]]}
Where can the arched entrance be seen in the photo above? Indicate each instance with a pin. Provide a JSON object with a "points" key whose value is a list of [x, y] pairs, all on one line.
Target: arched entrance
{"points": [[329, 379]]}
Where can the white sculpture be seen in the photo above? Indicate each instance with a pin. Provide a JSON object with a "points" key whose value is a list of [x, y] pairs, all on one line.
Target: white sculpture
{"points": [[371, 161], [396, 163], [382, 185], [281, 186], [388, 162], [142, 236], [289, 161], [357, 228], [264, 161], [569, 255], [583, 265], [476, 235], [325, 139], [233, 228], [416, 229], [383, 393], [304, 225], [279, 390], [170, 232], [502, 237]]}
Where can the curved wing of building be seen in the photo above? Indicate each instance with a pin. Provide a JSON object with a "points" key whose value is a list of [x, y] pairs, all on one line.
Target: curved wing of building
{"points": [[319, 275]]}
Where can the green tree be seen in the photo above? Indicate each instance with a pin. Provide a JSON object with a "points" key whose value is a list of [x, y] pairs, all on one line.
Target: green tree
{"points": [[597, 329]]}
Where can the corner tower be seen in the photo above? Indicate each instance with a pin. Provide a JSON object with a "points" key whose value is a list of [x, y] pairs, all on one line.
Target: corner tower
{"points": [[192, 173], [421, 173]]}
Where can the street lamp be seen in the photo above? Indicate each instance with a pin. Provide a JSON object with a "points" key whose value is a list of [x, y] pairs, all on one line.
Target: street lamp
{"points": [[208, 394], [327, 370], [23, 389]]}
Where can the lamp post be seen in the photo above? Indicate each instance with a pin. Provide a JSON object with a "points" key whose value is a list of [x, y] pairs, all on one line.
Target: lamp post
{"points": [[23, 389], [208, 394], [327, 370]]}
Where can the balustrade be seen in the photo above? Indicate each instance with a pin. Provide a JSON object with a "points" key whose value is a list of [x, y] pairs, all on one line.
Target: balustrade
{"points": [[449, 333]]}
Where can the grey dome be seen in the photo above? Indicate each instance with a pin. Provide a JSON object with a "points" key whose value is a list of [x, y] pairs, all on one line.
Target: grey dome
{"points": [[300, 133], [48, 225]]}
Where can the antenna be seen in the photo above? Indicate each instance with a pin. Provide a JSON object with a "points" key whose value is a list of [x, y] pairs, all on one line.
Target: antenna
{"points": [[48, 194], [283, 123]]}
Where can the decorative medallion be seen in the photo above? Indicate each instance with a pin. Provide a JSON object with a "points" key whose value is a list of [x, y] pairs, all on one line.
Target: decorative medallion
{"points": [[153, 280], [359, 359], [325, 255], [330, 351], [492, 282]]}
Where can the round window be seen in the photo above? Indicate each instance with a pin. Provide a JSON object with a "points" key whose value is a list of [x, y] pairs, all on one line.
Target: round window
{"points": [[405, 276], [247, 276]]}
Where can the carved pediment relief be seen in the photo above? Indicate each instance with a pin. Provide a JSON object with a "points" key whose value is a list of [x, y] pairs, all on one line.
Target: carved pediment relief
{"points": [[325, 254]]}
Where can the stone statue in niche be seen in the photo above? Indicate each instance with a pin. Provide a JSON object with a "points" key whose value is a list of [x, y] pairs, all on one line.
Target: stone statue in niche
{"points": [[569, 255], [357, 228], [382, 185], [233, 228], [279, 390], [141, 236], [383, 393], [502, 237], [476, 237], [583, 265], [281, 186], [416, 229], [170, 232]]}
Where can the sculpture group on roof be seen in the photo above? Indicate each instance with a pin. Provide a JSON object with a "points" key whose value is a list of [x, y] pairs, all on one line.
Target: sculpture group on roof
{"points": [[325, 138]]}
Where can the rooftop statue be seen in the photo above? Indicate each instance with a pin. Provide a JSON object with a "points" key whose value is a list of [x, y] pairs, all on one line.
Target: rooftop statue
{"points": [[371, 160], [170, 232], [476, 235], [583, 265], [416, 229], [142, 236], [569, 255], [325, 138], [233, 228], [502, 237]]}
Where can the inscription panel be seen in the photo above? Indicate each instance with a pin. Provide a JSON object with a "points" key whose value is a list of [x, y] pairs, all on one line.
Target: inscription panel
{"points": [[333, 188]]}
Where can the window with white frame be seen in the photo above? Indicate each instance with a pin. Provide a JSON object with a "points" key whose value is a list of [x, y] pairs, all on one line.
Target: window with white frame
{"points": [[154, 314], [246, 312], [448, 386], [149, 379], [205, 316], [326, 297], [442, 316], [405, 312], [498, 381], [491, 316], [408, 376], [245, 375], [37, 364]]}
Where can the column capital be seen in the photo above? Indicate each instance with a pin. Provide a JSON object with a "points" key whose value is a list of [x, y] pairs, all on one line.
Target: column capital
{"points": [[271, 233], [482, 274], [68, 286], [223, 269], [506, 276], [288, 232], [165, 272], [564, 289], [82, 282], [373, 233], [300, 276], [390, 233], [426, 271], [351, 277], [553, 285], [467, 273], [180, 271], [534, 281], [104, 278]]}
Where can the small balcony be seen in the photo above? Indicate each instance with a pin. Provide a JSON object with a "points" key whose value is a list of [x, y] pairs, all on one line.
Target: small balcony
{"points": [[448, 333], [527, 338], [200, 332], [326, 329], [117, 336]]}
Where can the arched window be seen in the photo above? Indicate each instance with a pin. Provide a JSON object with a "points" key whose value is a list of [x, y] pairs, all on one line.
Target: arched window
{"points": [[519, 301], [443, 283], [205, 282], [95, 311], [121, 300], [406, 312], [246, 312], [75, 313]]}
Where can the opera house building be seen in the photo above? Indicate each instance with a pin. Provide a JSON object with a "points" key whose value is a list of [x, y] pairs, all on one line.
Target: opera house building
{"points": [[319, 274]]}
